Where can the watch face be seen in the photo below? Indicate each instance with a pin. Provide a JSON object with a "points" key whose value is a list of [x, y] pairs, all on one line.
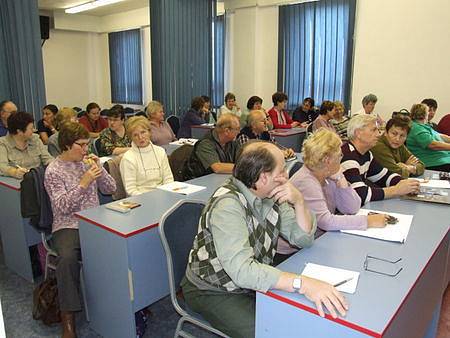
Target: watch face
{"points": [[297, 283]]}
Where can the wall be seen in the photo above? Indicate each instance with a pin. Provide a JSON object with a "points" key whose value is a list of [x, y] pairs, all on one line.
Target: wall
{"points": [[76, 57], [400, 52]]}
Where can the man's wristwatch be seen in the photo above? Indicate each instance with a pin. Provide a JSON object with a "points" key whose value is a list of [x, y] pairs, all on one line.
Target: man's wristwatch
{"points": [[297, 283]]}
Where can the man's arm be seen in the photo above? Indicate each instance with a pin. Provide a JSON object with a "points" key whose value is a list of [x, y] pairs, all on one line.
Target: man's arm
{"points": [[222, 168]]}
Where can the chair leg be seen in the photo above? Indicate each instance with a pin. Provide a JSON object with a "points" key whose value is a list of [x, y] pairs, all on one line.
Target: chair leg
{"points": [[83, 291]]}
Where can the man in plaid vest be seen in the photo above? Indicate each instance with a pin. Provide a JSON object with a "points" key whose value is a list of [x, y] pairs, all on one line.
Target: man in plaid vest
{"points": [[233, 251]]}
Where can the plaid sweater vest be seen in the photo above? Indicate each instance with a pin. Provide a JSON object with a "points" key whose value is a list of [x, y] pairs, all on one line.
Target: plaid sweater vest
{"points": [[263, 237]]}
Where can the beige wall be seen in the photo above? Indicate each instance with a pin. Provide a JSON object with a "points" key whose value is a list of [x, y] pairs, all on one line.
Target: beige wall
{"points": [[400, 52]]}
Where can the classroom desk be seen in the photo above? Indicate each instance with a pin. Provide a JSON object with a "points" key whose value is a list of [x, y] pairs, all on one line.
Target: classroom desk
{"points": [[290, 138], [17, 235], [407, 305], [124, 264], [199, 131]]}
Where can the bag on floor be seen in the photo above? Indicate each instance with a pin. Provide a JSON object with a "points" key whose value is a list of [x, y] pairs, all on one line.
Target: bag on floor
{"points": [[46, 303]]}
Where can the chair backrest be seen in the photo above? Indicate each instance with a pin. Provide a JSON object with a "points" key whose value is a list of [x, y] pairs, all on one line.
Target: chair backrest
{"points": [[174, 123], [81, 113], [178, 159], [178, 228], [294, 167], [95, 144], [104, 112], [309, 129], [112, 166]]}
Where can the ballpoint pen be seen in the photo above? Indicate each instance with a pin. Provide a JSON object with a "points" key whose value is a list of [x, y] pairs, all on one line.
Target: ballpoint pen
{"points": [[343, 282]]}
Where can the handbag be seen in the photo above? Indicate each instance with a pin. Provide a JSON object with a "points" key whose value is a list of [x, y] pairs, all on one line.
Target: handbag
{"points": [[46, 302]]}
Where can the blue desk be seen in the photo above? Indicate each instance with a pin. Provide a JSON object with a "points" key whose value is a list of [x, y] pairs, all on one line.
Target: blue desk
{"points": [[290, 138], [407, 305], [124, 263], [17, 235]]}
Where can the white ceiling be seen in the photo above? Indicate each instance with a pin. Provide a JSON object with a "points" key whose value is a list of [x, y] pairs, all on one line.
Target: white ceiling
{"points": [[125, 5]]}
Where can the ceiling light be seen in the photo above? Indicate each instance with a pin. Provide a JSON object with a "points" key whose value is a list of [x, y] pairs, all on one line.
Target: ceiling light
{"points": [[90, 5]]}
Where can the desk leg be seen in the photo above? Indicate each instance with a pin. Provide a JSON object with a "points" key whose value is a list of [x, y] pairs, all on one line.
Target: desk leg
{"points": [[16, 235], [106, 273]]}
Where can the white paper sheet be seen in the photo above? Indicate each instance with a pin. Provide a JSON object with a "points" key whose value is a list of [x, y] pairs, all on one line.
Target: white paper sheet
{"points": [[333, 276], [439, 184], [182, 141], [391, 232], [181, 188]]}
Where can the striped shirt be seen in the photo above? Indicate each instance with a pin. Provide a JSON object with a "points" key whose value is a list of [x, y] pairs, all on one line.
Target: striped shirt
{"points": [[365, 174]]}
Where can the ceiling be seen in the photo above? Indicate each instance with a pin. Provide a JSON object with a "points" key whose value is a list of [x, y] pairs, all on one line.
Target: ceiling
{"points": [[125, 5]]}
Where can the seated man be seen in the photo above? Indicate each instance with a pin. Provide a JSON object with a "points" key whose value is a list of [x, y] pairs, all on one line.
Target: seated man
{"points": [[6, 109], [257, 130], [216, 151], [371, 181], [233, 251]]}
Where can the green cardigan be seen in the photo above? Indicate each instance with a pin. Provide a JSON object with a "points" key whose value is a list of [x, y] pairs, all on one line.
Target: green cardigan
{"points": [[389, 157]]}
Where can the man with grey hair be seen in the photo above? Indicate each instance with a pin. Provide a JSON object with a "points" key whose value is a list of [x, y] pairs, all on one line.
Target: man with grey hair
{"points": [[232, 253], [6, 109], [368, 102], [371, 181]]}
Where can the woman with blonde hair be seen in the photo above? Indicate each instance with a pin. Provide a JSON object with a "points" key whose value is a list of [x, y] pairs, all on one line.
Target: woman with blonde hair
{"points": [[160, 130], [145, 165], [325, 189]]}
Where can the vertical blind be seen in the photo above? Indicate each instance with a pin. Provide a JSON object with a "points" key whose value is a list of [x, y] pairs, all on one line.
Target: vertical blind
{"points": [[218, 88], [315, 50], [181, 42], [21, 66], [125, 66]]}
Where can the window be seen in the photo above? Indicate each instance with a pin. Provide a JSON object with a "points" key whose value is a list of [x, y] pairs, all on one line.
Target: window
{"points": [[219, 59], [125, 66], [315, 50]]}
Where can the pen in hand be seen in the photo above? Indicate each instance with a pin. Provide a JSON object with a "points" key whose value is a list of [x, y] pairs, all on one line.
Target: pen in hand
{"points": [[342, 282]]}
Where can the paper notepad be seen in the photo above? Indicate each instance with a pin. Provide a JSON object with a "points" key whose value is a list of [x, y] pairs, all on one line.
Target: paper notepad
{"points": [[182, 141], [333, 276], [439, 184], [181, 188], [391, 232]]}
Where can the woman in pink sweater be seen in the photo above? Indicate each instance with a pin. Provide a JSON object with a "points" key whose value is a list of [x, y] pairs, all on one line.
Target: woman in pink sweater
{"points": [[325, 189], [71, 181]]}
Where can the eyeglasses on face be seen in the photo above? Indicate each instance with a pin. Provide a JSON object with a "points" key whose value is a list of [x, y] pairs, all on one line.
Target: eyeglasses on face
{"points": [[82, 145]]}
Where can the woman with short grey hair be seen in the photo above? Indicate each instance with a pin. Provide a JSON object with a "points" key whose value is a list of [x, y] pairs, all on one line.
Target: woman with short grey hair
{"points": [[368, 102]]}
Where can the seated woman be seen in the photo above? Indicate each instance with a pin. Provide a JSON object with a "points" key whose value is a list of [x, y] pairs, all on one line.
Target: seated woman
{"points": [[72, 186], [254, 103], [305, 113], [21, 150], [193, 117], [432, 148], [159, 128], [92, 120], [340, 120], [66, 114], [114, 139], [230, 106], [144, 166], [46, 125], [326, 113], [325, 189], [280, 118], [257, 130], [391, 152]]}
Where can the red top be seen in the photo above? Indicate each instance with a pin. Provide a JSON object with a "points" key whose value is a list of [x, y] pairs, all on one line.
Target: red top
{"points": [[93, 127], [444, 125], [280, 120]]}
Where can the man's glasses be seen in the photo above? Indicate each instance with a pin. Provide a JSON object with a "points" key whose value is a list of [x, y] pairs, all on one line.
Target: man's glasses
{"points": [[370, 258]]}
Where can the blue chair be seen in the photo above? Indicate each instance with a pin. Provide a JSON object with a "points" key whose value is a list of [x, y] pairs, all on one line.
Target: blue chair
{"points": [[293, 167], [174, 123], [177, 228]]}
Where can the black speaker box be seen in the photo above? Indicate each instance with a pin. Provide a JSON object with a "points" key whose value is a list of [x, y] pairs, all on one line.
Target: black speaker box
{"points": [[45, 27]]}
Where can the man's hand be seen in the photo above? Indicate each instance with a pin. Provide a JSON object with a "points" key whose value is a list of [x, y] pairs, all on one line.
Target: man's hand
{"points": [[409, 186], [322, 293], [286, 192]]}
